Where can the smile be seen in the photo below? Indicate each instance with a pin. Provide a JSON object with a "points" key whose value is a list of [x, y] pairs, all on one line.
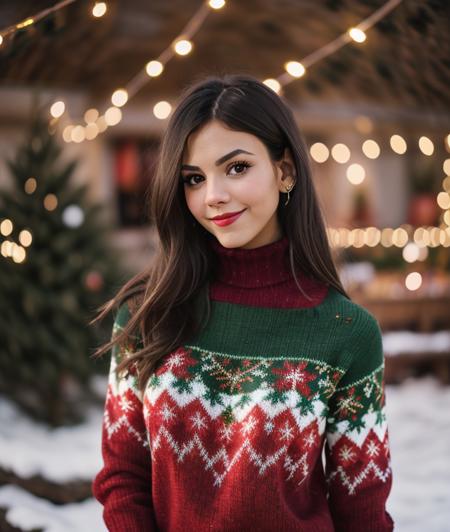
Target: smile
{"points": [[228, 221]]}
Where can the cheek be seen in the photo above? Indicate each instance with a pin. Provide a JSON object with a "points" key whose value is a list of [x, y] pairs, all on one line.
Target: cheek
{"points": [[259, 190], [193, 202]]}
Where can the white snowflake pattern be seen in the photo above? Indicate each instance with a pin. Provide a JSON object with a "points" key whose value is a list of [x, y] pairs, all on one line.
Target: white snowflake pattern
{"points": [[125, 404], [295, 377], [310, 440], [226, 432], [286, 432], [373, 448], [347, 454], [249, 425], [167, 412], [269, 426], [175, 361], [198, 421]]}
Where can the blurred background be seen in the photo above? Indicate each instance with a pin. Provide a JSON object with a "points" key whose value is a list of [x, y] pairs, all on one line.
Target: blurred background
{"points": [[86, 89]]}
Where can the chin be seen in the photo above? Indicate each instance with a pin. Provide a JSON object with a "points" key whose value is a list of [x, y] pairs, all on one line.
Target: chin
{"points": [[233, 241]]}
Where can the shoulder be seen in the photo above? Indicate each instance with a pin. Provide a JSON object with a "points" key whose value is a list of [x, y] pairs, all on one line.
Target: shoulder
{"points": [[360, 338], [122, 316], [361, 322]]}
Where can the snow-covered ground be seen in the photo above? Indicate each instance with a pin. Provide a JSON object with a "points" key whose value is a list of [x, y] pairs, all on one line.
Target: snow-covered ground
{"points": [[418, 414]]}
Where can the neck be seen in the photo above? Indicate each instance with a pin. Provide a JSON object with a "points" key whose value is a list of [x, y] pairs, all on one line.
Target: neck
{"points": [[262, 276]]}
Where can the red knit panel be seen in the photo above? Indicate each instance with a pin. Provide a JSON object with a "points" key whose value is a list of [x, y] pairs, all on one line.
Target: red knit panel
{"points": [[284, 295]]}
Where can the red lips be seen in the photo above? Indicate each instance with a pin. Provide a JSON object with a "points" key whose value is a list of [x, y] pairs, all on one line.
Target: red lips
{"points": [[227, 219], [227, 215]]}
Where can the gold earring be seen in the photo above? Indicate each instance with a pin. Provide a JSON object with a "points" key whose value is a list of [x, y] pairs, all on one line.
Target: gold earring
{"points": [[288, 190]]}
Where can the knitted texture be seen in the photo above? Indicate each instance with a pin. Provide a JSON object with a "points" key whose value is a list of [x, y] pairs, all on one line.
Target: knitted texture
{"points": [[273, 418]]}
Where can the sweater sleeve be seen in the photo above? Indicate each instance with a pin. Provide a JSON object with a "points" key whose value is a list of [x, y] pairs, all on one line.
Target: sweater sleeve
{"points": [[123, 485], [357, 454]]}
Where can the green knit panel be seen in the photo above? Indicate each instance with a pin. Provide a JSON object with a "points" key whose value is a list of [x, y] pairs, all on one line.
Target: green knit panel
{"points": [[337, 332]]}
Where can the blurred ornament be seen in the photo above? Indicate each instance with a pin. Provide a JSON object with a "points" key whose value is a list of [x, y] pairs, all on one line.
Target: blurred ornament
{"points": [[423, 210], [94, 281], [73, 216]]}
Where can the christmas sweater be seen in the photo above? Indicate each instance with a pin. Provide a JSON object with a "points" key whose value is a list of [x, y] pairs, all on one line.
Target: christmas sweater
{"points": [[271, 419]]}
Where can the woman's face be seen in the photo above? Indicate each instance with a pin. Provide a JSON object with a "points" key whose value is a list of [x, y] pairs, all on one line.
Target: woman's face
{"points": [[226, 171]]}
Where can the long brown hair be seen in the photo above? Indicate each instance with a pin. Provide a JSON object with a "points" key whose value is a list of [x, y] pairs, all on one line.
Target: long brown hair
{"points": [[170, 298]]}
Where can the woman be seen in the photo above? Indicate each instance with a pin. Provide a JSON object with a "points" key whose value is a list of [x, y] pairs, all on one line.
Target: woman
{"points": [[246, 389]]}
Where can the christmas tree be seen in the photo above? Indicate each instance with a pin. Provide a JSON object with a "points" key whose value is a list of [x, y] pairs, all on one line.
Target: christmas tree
{"points": [[56, 268]]}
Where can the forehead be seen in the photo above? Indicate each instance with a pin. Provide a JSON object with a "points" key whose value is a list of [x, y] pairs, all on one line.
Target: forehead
{"points": [[214, 139]]}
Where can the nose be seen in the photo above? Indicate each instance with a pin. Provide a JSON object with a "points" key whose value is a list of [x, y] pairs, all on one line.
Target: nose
{"points": [[215, 192]]}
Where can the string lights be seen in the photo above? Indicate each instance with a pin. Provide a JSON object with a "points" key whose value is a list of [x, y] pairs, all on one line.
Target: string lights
{"points": [[182, 45], [357, 34], [414, 241], [29, 21]]}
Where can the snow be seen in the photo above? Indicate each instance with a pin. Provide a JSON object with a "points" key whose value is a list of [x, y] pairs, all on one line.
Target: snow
{"points": [[418, 413], [397, 342], [28, 512], [30, 448]]}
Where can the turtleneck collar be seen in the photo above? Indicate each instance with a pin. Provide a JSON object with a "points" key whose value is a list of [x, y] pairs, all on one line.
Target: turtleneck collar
{"points": [[253, 268], [262, 277]]}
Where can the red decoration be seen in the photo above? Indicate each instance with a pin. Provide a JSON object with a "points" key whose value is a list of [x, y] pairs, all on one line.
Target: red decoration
{"points": [[423, 210], [93, 281]]}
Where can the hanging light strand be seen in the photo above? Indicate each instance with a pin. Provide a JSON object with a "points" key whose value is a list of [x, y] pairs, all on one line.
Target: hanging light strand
{"points": [[353, 34], [29, 21], [180, 45], [191, 28]]}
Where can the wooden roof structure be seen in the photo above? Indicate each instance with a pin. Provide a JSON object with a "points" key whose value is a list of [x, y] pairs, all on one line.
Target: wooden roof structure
{"points": [[404, 62]]}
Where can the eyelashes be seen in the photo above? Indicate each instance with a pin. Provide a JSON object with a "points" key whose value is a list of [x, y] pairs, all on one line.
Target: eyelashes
{"points": [[186, 179]]}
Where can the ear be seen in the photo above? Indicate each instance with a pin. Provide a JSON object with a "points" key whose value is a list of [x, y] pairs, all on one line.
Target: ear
{"points": [[286, 170]]}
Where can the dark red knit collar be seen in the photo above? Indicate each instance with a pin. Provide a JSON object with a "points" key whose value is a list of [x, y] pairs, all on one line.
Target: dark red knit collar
{"points": [[252, 268]]}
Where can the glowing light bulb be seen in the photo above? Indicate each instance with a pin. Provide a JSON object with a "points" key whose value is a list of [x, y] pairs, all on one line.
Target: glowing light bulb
{"points": [[57, 109], [356, 174], [413, 281], [446, 166], [398, 144], [272, 84], [91, 131], [371, 149], [216, 4], [183, 47], [90, 116], [340, 153], [78, 134], [113, 116], [50, 202], [319, 152], [67, 133], [443, 200], [30, 185], [357, 35], [6, 227], [154, 68], [119, 97], [295, 69], [162, 110], [25, 237], [426, 145], [99, 9]]}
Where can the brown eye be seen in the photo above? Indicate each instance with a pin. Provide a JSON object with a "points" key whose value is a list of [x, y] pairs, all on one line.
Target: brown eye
{"points": [[188, 179], [240, 166]]}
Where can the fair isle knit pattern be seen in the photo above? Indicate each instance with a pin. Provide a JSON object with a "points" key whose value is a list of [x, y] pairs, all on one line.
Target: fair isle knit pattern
{"points": [[229, 432]]}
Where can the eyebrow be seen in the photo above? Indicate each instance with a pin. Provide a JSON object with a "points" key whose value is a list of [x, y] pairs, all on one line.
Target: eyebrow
{"points": [[219, 161]]}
